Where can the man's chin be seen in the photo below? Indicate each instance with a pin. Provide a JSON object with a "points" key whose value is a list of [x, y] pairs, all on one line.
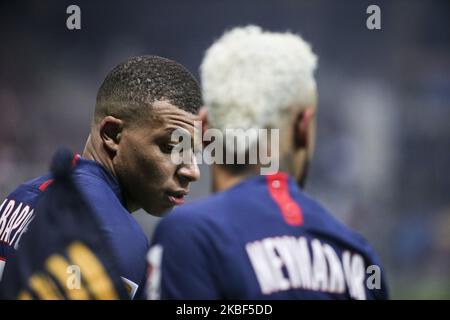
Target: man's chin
{"points": [[158, 212]]}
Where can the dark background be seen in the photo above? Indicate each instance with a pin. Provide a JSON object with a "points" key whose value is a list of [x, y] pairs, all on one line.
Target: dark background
{"points": [[384, 114]]}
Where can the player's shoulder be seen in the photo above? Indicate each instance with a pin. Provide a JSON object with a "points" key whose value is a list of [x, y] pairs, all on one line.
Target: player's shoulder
{"points": [[206, 210], [202, 219], [99, 188], [31, 188], [96, 190], [102, 192], [323, 221], [105, 198]]}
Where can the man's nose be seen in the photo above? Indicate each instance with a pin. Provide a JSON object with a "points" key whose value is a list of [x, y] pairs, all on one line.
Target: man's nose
{"points": [[189, 172]]}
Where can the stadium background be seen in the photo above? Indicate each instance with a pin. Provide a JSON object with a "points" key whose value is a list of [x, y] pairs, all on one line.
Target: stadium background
{"points": [[383, 149]]}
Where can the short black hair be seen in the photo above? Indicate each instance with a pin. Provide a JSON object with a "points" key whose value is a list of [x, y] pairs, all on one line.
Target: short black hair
{"points": [[132, 86]]}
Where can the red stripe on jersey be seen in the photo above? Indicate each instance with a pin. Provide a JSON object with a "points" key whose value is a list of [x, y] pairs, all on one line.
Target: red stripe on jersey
{"points": [[48, 182], [2, 259], [75, 159], [45, 184], [279, 190]]}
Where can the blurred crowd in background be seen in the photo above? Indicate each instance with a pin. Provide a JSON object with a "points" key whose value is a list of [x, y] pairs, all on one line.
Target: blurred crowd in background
{"points": [[384, 104]]}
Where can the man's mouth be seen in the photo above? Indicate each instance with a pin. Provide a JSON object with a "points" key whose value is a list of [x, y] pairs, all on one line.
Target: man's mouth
{"points": [[176, 197]]}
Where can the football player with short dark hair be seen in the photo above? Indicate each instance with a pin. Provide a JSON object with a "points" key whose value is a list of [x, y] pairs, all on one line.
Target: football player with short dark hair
{"points": [[126, 164]]}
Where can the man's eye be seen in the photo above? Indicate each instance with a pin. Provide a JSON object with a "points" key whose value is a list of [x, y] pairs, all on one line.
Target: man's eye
{"points": [[168, 148]]}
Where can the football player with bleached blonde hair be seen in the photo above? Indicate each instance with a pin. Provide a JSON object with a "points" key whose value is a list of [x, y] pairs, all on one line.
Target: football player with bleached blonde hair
{"points": [[261, 236]]}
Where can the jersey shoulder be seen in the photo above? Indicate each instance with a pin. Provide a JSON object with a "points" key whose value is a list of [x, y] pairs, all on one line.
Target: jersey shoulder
{"points": [[322, 222], [30, 189], [115, 220], [200, 215]]}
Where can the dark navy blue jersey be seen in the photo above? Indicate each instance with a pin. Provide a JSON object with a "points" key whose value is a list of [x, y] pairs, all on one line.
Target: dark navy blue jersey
{"points": [[101, 190], [261, 239]]}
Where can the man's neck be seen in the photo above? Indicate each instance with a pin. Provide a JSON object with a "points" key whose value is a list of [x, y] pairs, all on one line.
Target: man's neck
{"points": [[92, 152], [223, 179]]}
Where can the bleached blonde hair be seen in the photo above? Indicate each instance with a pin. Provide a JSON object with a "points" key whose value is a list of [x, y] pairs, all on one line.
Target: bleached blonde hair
{"points": [[251, 77]]}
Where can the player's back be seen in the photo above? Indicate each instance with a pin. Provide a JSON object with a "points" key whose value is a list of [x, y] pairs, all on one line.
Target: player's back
{"points": [[262, 239]]}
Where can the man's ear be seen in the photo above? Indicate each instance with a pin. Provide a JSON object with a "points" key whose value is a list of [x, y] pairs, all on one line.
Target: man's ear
{"points": [[301, 127], [110, 133], [203, 116]]}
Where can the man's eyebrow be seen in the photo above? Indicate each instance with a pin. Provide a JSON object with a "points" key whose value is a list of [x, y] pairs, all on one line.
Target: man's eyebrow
{"points": [[173, 128], [195, 143], [169, 131]]}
